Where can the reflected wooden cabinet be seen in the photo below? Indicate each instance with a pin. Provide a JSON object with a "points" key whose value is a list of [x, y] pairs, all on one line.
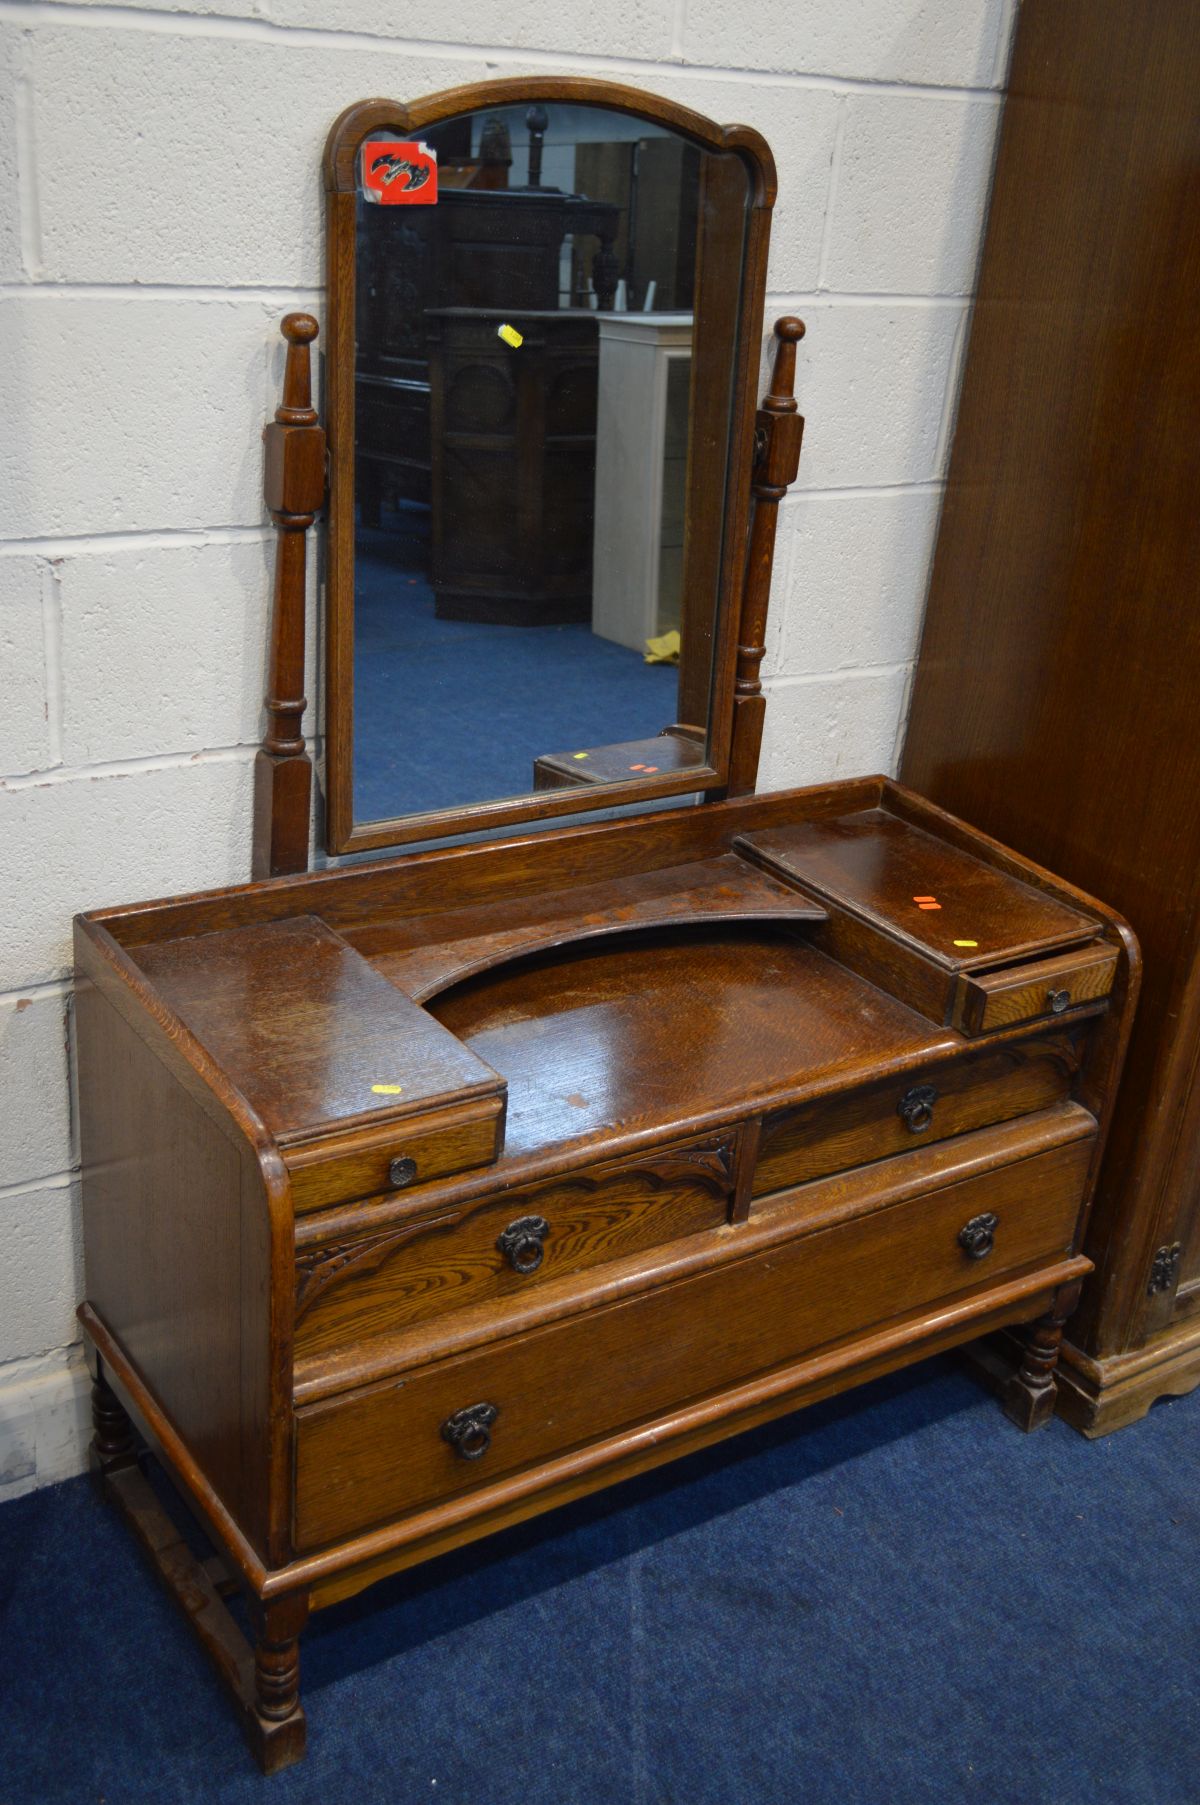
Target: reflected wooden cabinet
{"points": [[514, 464], [485, 248]]}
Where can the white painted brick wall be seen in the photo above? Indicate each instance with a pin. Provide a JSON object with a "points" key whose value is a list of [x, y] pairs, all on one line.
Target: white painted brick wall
{"points": [[35, 1124], [911, 171], [160, 208], [25, 743], [952, 43], [10, 207], [129, 614]]}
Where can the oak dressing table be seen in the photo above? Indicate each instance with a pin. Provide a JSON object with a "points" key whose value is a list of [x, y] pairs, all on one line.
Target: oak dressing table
{"points": [[422, 1195]]}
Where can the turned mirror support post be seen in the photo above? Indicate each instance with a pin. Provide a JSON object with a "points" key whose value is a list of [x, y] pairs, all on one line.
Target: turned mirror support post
{"points": [[779, 429], [294, 485]]}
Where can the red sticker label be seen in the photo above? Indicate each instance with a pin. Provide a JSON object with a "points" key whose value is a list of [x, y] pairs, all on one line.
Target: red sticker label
{"points": [[399, 175]]}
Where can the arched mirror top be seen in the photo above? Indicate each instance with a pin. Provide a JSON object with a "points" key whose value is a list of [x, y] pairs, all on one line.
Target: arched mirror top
{"points": [[364, 117]]}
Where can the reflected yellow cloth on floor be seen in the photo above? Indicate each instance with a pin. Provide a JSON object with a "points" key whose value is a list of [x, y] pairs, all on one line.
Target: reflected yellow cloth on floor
{"points": [[664, 649]]}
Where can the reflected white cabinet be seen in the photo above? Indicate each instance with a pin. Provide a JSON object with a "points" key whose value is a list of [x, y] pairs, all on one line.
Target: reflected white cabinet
{"points": [[641, 467]]}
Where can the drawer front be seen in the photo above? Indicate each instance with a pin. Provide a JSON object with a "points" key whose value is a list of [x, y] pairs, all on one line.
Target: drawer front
{"points": [[395, 1157], [834, 1133], [437, 1431], [1002, 998], [499, 1248]]}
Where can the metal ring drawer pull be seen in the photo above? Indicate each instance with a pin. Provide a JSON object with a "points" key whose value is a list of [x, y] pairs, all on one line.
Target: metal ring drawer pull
{"points": [[916, 1107], [1058, 1000], [978, 1237], [521, 1243], [401, 1172], [469, 1431]]}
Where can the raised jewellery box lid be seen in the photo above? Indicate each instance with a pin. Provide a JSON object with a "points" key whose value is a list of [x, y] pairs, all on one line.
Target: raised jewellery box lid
{"points": [[943, 902], [913, 912], [315, 1039]]}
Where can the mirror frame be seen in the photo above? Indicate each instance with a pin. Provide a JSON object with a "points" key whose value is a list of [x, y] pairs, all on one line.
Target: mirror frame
{"points": [[356, 123]]}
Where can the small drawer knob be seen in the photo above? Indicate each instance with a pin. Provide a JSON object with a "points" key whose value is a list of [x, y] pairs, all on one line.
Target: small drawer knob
{"points": [[978, 1237], [916, 1107], [469, 1431], [522, 1243], [401, 1172], [1058, 1000]]}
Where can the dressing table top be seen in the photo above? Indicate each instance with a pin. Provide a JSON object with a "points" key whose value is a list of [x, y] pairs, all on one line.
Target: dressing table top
{"points": [[599, 1012]]}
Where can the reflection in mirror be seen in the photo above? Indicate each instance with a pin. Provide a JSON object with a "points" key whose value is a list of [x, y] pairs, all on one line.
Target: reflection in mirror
{"points": [[534, 598]]}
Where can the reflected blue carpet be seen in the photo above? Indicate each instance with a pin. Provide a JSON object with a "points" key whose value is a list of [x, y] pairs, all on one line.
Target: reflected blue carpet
{"points": [[894, 1598], [452, 712]]}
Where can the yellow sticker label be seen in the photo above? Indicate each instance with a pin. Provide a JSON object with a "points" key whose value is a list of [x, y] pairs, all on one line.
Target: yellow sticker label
{"points": [[510, 335], [387, 1090], [579, 755], [966, 943]]}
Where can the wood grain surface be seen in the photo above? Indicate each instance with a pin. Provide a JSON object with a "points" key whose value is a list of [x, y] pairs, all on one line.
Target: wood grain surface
{"points": [[381, 1450], [424, 957], [1047, 987], [1054, 702], [307, 1030], [867, 1124], [385, 1280]]}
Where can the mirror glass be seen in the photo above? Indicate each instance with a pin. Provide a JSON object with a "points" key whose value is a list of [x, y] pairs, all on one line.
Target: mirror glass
{"points": [[546, 318]]}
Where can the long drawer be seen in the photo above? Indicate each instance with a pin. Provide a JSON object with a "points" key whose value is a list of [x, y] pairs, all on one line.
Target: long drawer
{"points": [[502, 1247], [951, 1098], [436, 1431]]}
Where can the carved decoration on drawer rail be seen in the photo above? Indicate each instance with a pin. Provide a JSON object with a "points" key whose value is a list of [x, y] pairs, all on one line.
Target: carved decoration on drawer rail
{"points": [[317, 1268], [711, 1167]]}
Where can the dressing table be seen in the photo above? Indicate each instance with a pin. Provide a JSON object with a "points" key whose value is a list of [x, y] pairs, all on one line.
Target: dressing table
{"points": [[424, 1194]]}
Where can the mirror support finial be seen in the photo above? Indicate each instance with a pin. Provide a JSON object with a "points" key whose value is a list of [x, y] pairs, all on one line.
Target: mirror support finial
{"points": [[294, 486], [779, 428]]}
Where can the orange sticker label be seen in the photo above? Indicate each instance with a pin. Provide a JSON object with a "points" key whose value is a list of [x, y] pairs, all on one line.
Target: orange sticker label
{"points": [[399, 174]]}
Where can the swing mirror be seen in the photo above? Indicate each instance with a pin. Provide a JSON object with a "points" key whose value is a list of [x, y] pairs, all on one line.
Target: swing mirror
{"points": [[544, 304]]}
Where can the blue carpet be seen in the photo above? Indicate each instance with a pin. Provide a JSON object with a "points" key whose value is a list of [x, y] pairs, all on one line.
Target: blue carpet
{"points": [[894, 1598], [453, 712]]}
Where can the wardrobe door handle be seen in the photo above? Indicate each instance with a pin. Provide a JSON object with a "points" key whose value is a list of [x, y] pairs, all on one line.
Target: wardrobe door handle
{"points": [[978, 1236], [522, 1243], [916, 1107], [469, 1431]]}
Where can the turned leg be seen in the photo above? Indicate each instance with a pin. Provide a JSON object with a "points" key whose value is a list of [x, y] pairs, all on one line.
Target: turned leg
{"points": [[275, 1721], [1030, 1393], [264, 1680], [113, 1443]]}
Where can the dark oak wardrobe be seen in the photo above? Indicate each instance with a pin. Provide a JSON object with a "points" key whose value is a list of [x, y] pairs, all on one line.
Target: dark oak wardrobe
{"points": [[1057, 697]]}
